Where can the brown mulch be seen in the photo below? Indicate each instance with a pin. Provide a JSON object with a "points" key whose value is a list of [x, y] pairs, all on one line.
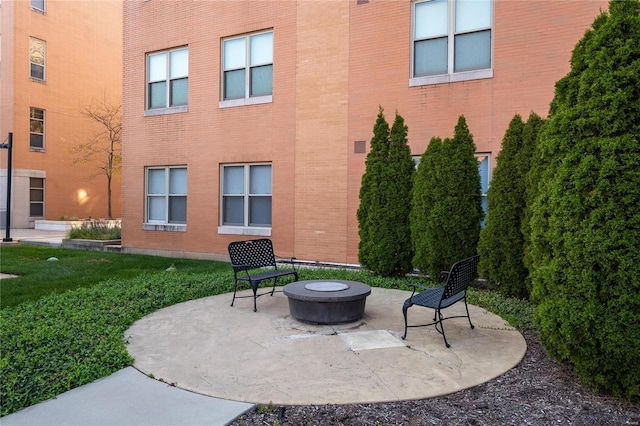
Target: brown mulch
{"points": [[538, 391]]}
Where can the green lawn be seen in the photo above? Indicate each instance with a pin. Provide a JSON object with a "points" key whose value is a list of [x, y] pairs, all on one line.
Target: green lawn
{"points": [[69, 329], [38, 276]]}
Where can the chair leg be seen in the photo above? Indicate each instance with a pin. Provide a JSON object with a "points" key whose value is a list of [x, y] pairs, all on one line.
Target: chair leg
{"points": [[255, 296], [468, 316], [405, 307], [234, 293], [441, 330], [275, 280]]}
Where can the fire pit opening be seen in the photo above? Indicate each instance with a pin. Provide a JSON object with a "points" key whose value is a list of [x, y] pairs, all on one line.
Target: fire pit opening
{"points": [[326, 286]]}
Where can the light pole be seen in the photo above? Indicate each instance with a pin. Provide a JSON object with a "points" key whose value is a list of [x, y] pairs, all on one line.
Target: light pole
{"points": [[8, 146]]}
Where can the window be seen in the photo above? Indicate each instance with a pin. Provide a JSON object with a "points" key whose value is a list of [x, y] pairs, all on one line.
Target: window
{"points": [[484, 168], [167, 78], [36, 197], [37, 58], [36, 128], [38, 5], [247, 64], [246, 195], [166, 191], [451, 41]]}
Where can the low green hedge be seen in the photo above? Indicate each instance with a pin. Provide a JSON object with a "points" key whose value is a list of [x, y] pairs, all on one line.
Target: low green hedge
{"points": [[96, 230], [66, 340]]}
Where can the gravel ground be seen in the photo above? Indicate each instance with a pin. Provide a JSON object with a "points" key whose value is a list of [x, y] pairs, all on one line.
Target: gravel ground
{"points": [[536, 392]]}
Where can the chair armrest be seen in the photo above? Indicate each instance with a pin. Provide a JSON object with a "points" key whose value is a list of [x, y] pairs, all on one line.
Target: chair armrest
{"points": [[286, 260], [416, 287], [238, 269], [241, 267]]}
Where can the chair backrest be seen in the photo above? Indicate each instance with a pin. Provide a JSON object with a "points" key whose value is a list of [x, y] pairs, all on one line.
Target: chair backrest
{"points": [[254, 253], [460, 276]]}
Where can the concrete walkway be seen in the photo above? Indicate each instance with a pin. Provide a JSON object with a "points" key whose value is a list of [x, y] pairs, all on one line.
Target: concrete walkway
{"points": [[128, 397], [35, 236], [213, 362]]}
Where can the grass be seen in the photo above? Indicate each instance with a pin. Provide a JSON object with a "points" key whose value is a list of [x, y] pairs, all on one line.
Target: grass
{"points": [[38, 276], [61, 340]]}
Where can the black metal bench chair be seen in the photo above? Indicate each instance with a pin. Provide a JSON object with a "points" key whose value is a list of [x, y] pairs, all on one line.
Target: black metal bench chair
{"points": [[453, 289], [253, 261]]}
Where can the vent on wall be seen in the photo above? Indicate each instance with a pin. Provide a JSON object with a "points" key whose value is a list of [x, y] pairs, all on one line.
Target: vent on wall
{"points": [[360, 147], [359, 2]]}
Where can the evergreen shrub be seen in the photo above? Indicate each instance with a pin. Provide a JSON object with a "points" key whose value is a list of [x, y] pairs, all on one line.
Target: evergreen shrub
{"points": [[447, 203], [385, 201], [532, 165], [585, 227], [501, 241]]}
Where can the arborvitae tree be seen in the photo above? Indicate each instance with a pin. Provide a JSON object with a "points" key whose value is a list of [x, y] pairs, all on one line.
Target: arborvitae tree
{"points": [[465, 193], [586, 222], [399, 188], [532, 166], [370, 198], [501, 241], [427, 188], [385, 201], [451, 228]]}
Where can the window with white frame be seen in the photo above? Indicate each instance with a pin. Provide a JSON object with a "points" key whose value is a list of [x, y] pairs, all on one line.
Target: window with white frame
{"points": [[167, 78], [38, 5], [166, 194], [484, 168], [247, 66], [36, 197], [36, 128], [451, 40], [246, 195], [37, 49]]}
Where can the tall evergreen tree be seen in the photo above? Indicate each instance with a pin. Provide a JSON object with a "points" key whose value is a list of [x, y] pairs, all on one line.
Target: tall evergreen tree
{"points": [[427, 189], [370, 198], [501, 241], [532, 166], [399, 178], [586, 223], [385, 201], [451, 227]]}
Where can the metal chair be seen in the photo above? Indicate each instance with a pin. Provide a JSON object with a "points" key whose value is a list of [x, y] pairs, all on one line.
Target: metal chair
{"points": [[453, 289], [253, 261]]}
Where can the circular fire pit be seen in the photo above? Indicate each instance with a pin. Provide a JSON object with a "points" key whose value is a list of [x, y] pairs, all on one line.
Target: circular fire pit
{"points": [[327, 301]]}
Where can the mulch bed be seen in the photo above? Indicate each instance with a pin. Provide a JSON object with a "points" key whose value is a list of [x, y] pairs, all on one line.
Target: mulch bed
{"points": [[538, 391]]}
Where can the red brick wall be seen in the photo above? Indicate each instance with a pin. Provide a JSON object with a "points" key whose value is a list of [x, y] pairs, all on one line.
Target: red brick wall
{"points": [[533, 41], [335, 63]]}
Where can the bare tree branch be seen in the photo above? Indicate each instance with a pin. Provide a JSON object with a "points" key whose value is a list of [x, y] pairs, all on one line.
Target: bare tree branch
{"points": [[105, 146]]}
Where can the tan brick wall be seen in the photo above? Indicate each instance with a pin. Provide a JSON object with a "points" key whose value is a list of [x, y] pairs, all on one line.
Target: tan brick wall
{"points": [[83, 63], [207, 136], [335, 63]]}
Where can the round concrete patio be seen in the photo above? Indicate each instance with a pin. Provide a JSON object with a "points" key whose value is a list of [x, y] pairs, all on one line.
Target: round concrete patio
{"points": [[267, 357]]}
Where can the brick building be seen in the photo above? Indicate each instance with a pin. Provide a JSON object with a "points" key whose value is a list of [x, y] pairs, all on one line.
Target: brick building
{"points": [[56, 57], [253, 118]]}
